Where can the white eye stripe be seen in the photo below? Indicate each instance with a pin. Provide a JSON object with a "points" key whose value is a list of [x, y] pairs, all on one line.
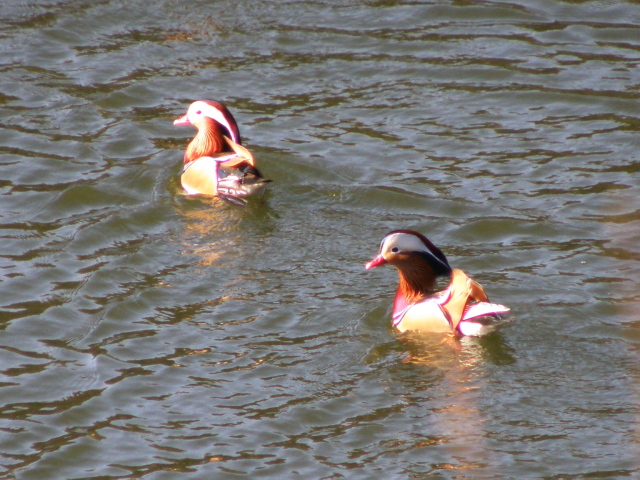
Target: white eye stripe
{"points": [[405, 242], [220, 118], [202, 108]]}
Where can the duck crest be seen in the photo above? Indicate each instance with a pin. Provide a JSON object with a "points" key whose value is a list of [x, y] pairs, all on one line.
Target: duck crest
{"points": [[226, 122], [441, 259]]}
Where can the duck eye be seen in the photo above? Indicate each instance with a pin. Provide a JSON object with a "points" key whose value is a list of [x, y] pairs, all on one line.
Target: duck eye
{"points": [[198, 112], [395, 250]]}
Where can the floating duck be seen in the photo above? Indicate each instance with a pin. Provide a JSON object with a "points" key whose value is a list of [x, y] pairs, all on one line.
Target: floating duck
{"points": [[418, 306], [215, 162]]}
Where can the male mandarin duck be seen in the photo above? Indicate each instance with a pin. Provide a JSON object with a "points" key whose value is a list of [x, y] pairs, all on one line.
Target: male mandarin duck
{"points": [[417, 305], [217, 144]]}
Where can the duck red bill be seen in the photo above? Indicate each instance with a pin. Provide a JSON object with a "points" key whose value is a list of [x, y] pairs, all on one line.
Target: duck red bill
{"points": [[182, 121], [376, 262]]}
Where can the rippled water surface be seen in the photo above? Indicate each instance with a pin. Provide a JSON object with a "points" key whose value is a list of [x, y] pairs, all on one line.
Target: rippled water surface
{"points": [[146, 334]]}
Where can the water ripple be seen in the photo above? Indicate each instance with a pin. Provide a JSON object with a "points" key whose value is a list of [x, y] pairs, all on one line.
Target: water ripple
{"points": [[145, 332]]}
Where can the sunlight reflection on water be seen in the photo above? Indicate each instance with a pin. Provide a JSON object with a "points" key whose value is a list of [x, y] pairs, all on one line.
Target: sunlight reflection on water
{"points": [[150, 334]]}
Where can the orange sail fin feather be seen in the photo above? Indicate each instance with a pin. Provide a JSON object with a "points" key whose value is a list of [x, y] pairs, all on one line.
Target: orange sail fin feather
{"points": [[463, 290]]}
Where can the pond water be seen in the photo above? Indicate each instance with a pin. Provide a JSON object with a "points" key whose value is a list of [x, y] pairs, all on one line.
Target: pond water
{"points": [[148, 334]]}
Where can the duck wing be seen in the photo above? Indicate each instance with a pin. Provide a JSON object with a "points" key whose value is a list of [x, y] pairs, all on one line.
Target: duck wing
{"points": [[242, 155], [467, 300]]}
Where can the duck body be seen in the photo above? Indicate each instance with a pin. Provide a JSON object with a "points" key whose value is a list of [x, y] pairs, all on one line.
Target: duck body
{"points": [[463, 307], [215, 162]]}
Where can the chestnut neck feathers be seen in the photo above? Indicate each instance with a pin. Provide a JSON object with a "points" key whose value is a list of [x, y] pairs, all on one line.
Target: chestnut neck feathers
{"points": [[208, 140], [418, 276]]}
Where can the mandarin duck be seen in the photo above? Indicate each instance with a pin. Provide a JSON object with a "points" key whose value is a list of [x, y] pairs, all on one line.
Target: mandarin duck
{"points": [[215, 162], [418, 306]]}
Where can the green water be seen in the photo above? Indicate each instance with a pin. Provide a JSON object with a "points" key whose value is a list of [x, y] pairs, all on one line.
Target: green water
{"points": [[146, 334]]}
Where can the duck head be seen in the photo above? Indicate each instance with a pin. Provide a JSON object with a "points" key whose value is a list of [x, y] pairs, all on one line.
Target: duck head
{"points": [[419, 262], [214, 122]]}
